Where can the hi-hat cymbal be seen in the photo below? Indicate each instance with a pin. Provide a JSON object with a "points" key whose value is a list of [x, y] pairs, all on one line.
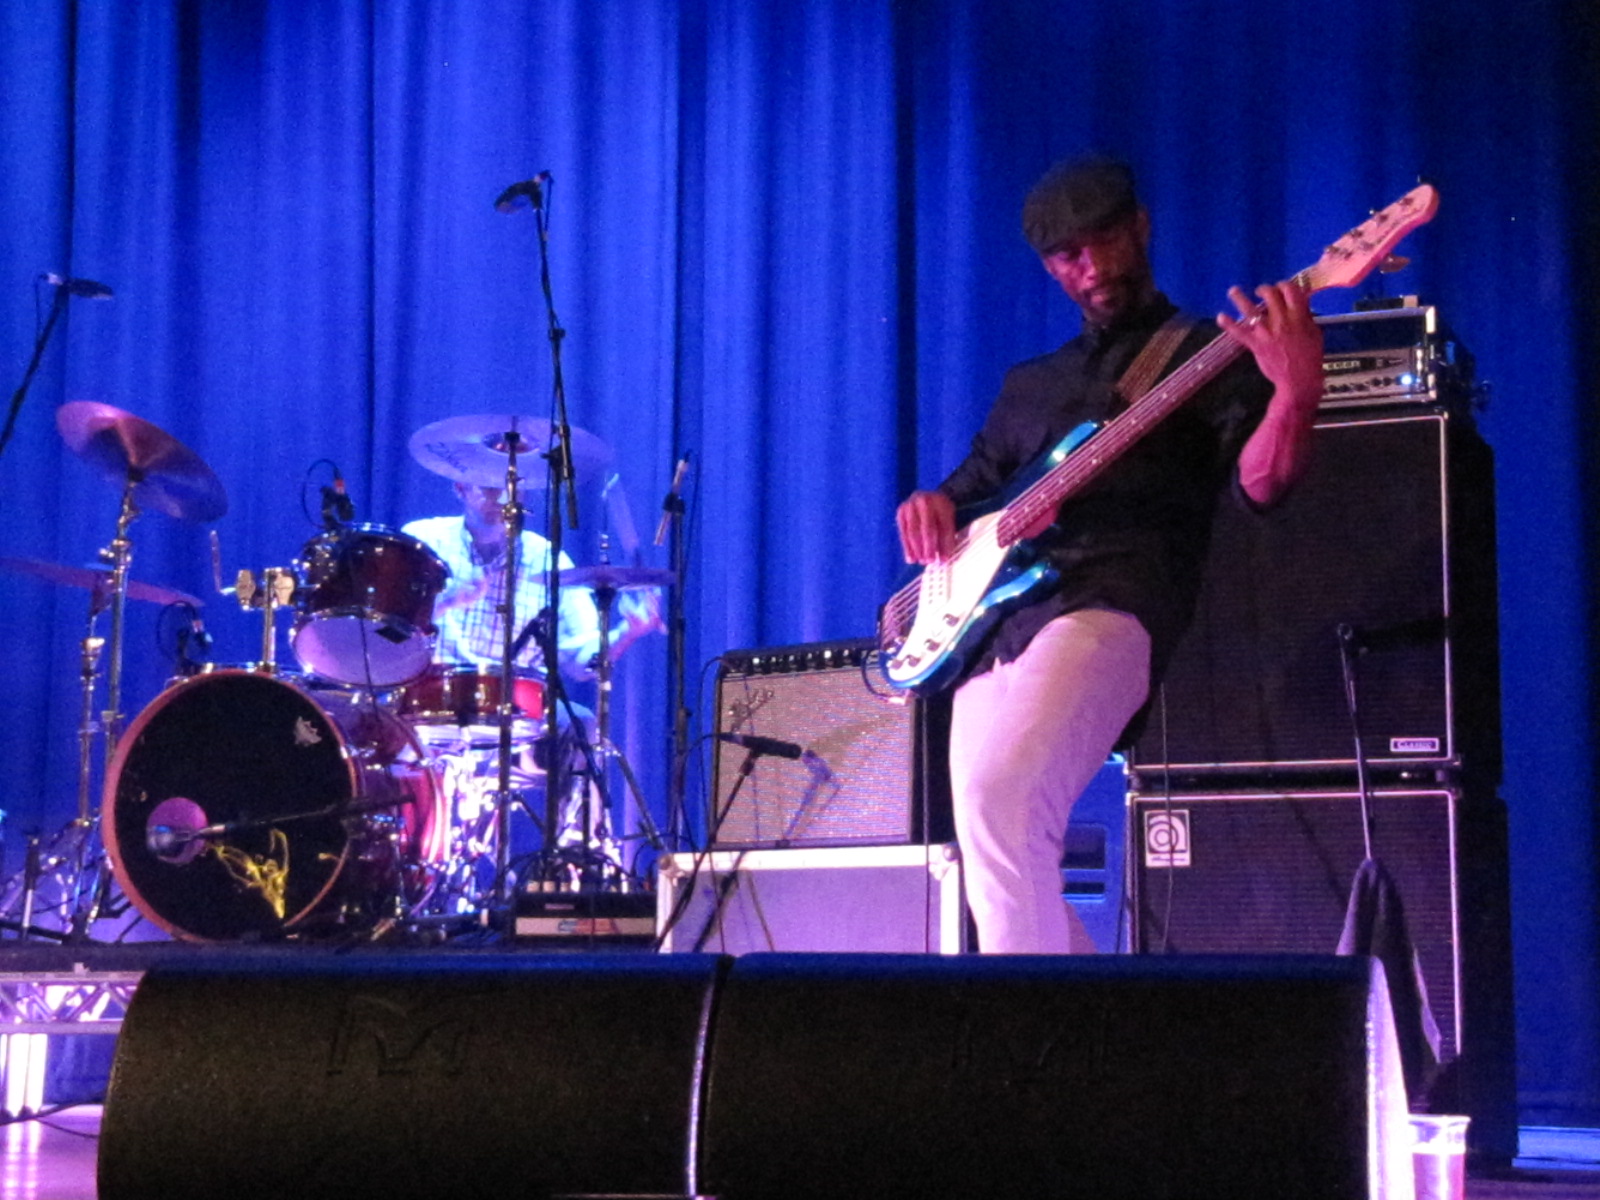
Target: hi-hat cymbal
{"points": [[473, 449], [168, 477], [618, 578], [96, 577]]}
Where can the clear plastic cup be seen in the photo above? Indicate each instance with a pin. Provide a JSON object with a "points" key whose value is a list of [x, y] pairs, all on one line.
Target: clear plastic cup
{"points": [[1439, 1156]]}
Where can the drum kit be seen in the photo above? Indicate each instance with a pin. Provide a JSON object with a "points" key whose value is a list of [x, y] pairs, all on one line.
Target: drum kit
{"points": [[366, 791]]}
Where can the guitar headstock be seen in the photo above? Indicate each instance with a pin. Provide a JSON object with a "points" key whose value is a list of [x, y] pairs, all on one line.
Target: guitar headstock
{"points": [[1354, 256]]}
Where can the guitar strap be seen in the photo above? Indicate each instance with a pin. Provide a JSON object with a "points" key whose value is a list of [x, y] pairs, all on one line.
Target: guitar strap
{"points": [[1149, 362]]}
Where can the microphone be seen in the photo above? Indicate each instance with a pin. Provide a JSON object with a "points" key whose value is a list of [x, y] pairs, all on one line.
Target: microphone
{"points": [[85, 289], [764, 745], [673, 504], [337, 508], [536, 624], [527, 194], [164, 840], [194, 636], [1419, 631]]}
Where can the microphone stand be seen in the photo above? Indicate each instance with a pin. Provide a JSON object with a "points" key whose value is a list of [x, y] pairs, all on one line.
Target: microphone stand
{"points": [[57, 307], [562, 484], [678, 714]]}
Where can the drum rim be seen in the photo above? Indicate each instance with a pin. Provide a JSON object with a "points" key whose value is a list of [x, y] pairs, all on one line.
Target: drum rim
{"points": [[435, 718], [108, 824], [390, 532]]}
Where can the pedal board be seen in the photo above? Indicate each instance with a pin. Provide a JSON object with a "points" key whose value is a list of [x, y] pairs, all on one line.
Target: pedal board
{"points": [[563, 916]]}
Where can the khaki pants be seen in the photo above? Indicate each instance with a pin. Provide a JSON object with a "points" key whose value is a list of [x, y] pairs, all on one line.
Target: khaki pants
{"points": [[1026, 738]]}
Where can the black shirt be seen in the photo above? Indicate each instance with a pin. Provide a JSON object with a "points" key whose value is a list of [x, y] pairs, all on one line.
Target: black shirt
{"points": [[1136, 538]]}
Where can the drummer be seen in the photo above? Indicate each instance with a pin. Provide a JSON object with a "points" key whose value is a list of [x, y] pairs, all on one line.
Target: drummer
{"points": [[473, 546]]}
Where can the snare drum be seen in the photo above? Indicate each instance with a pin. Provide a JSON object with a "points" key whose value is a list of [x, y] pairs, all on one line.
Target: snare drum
{"points": [[366, 606], [314, 812], [458, 702]]}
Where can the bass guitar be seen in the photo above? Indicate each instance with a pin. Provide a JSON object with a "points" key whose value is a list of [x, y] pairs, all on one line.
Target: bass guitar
{"points": [[929, 628]]}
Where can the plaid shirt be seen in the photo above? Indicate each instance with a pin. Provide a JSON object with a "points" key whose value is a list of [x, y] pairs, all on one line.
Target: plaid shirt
{"points": [[472, 633]]}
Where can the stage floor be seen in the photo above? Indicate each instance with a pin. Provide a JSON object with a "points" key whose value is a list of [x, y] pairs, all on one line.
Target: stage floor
{"points": [[54, 1159]]}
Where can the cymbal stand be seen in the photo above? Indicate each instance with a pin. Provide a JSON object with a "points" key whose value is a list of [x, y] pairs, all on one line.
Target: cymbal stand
{"points": [[512, 515], [119, 556], [88, 676], [74, 857], [607, 751]]}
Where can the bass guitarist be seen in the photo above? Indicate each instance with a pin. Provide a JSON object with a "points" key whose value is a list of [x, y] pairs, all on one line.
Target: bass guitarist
{"points": [[1059, 681]]}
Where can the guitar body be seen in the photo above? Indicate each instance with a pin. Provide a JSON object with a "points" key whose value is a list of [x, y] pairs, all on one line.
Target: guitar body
{"points": [[960, 600], [929, 630]]}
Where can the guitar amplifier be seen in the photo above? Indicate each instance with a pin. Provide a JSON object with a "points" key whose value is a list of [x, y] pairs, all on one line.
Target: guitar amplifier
{"points": [[1391, 356], [874, 770]]}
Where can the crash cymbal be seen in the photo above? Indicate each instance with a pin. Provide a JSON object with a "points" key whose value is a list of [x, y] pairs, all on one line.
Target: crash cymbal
{"points": [[616, 577], [168, 477], [95, 577], [473, 449]]}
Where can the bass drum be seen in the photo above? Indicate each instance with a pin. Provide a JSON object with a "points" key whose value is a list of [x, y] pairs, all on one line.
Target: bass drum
{"points": [[240, 806]]}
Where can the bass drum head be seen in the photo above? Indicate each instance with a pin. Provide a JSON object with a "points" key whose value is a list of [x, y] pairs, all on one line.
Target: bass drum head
{"points": [[256, 755]]}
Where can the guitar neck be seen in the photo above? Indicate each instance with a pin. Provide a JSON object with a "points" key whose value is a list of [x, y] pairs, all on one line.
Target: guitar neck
{"points": [[1107, 445], [1115, 438]]}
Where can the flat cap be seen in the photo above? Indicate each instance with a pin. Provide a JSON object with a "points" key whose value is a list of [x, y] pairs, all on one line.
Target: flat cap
{"points": [[1075, 197]]}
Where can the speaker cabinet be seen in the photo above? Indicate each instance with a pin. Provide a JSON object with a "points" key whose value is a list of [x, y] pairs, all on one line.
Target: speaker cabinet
{"points": [[1271, 873], [1391, 533], [876, 770]]}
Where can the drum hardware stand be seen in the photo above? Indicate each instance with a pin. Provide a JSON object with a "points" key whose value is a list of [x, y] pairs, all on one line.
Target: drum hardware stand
{"points": [[512, 519], [606, 750], [75, 851], [119, 556], [276, 590]]}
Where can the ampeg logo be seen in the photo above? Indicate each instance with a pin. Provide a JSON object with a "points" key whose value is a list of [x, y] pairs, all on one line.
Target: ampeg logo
{"points": [[1166, 837], [1414, 745]]}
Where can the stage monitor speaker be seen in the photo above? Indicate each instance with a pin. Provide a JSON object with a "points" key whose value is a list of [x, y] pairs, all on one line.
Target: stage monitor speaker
{"points": [[1116, 1077], [875, 770], [1391, 533], [461, 1076]]}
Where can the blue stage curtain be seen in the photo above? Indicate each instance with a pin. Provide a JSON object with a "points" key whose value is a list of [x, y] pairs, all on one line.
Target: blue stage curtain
{"points": [[783, 237]]}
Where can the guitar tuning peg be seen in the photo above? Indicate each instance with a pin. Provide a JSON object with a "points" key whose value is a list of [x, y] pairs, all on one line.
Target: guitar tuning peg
{"points": [[1393, 263]]}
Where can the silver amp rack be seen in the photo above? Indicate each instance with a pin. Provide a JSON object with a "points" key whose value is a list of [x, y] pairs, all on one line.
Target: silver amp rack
{"points": [[1392, 356]]}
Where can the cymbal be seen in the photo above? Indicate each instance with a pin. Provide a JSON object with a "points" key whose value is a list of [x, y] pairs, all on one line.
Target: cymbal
{"points": [[168, 477], [96, 577], [472, 449], [616, 577]]}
